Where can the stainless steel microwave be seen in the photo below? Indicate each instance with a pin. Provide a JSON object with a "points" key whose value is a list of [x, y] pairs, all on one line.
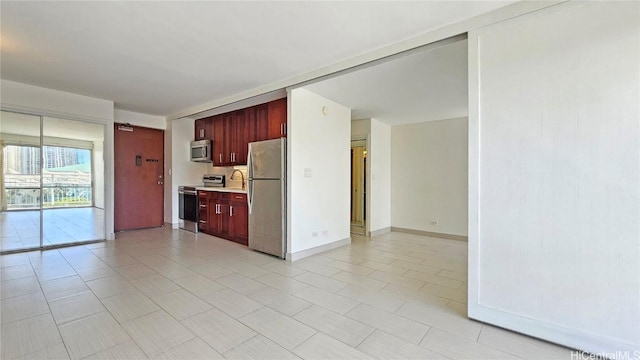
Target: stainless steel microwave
{"points": [[201, 151]]}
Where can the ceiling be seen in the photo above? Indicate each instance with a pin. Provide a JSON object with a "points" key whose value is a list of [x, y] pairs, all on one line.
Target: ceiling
{"points": [[424, 86], [161, 58], [29, 125]]}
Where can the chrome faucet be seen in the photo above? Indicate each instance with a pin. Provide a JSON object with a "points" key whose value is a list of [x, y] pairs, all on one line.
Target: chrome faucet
{"points": [[241, 174]]}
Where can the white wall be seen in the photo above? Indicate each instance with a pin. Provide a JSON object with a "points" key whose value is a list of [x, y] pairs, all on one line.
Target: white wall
{"points": [[554, 171], [179, 170], [139, 119], [429, 176], [98, 174], [319, 202], [36, 100], [380, 176]]}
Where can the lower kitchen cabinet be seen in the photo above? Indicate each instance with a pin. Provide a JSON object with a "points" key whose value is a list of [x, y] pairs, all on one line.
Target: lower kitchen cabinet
{"points": [[239, 219], [224, 215]]}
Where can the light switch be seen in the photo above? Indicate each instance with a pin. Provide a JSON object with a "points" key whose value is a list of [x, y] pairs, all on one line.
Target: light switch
{"points": [[307, 172]]}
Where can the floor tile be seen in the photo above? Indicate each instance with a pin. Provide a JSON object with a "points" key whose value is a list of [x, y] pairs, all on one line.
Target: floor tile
{"points": [[18, 287], [155, 285], [16, 272], [109, 286], [348, 267], [383, 301], [436, 318], [135, 271], [211, 271], [384, 267], [92, 334], [72, 285], [521, 345], [362, 281], [192, 350], [259, 347], [248, 270], [384, 346], [453, 275], [396, 325], [342, 328], [321, 346], [322, 282], [181, 304], [459, 348], [432, 278], [241, 284], [219, 330], [125, 307], [23, 307], [281, 283], [397, 280], [128, 350], [55, 352], [232, 303], [283, 268], [28, 336], [278, 328], [157, 332], [279, 301], [75, 307], [328, 300], [198, 284]]}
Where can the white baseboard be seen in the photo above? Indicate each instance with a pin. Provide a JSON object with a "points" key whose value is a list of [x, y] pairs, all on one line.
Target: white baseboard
{"points": [[172, 225], [431, 234], [572, 338], [380, 231], [110, 236], [317, 250]]}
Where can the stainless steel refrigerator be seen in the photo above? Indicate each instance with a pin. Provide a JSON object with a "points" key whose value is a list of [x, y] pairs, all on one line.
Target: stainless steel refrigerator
{"points": [[266, 190]]}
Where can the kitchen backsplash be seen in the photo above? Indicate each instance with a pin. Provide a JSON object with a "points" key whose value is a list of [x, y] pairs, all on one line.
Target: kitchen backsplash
{"points": [[227, 171]]}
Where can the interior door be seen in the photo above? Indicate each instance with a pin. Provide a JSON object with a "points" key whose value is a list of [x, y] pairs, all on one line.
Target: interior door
{"points": [[139, 182]]}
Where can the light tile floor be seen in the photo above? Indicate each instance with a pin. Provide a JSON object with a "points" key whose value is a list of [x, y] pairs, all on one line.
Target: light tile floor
{"points": [[170, 294], [21, 229]]}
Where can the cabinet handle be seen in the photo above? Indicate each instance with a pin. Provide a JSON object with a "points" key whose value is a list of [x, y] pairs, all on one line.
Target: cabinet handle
{"points": [[281, 133], [217, 208], [202, 133], [221, 158], [203, 206], [203, 222], [230, 211]]}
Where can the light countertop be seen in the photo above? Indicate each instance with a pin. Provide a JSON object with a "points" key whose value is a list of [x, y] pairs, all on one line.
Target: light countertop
{"points": [[222, 189]]}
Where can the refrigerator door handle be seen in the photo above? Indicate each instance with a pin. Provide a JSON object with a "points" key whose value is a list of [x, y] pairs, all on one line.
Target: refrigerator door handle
{"points": [[250, 194]]}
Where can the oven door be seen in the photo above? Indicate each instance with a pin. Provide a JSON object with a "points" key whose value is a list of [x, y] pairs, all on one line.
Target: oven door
{"points": [[188, 209]]}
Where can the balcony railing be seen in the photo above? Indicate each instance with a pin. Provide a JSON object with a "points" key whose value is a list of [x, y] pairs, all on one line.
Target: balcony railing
{"points": [[22, 198]]}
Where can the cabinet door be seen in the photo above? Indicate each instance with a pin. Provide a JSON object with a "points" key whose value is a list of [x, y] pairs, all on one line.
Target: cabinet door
{"points": [[218, 141], [200, 131], [250, 125], [277, 118], [239, 154], [203, 211], [239, 219], [229, 138], [262, 122]]}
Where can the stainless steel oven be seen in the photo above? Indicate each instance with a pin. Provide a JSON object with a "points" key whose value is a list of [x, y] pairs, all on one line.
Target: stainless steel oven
{"points": [[188, 208]]}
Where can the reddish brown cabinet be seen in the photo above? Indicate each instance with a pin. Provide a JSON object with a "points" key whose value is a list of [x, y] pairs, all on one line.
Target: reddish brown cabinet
{"points": [[277, 118], [239, 218], [232, 132], [224, 214]]}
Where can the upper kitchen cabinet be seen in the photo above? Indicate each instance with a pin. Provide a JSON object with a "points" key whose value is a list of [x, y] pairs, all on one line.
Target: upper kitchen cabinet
{"points": [[201, 131], [262, 122], [218, 153], [277, 118]]}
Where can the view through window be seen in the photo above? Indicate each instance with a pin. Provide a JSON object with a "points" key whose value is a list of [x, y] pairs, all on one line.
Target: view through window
{"points": [[66, 177]]}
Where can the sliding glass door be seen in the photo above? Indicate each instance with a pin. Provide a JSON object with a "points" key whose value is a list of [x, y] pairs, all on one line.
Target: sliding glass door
{"points": [[20, 182], [51, 183]]}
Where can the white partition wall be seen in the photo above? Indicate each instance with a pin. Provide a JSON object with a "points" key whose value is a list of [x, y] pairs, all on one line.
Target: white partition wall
{"points": [[554, 176]]}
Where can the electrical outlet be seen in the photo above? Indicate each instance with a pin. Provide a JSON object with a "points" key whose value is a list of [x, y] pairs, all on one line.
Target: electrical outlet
{"points": [[434, 222], [325, 233], [314, 234]]}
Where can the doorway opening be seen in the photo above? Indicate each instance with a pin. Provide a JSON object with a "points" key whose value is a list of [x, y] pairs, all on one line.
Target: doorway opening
{"points": [[359, 187]]}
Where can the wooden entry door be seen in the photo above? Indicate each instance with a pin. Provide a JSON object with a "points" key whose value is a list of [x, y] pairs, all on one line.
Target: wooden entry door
{"points": [[139, 177]]}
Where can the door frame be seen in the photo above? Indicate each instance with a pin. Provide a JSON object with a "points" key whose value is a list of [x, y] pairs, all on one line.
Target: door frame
{"points": [[362, 141]]}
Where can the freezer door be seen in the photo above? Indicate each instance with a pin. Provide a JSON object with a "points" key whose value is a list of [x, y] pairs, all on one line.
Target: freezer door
{"points": [[266, 159], [266, 220]]}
